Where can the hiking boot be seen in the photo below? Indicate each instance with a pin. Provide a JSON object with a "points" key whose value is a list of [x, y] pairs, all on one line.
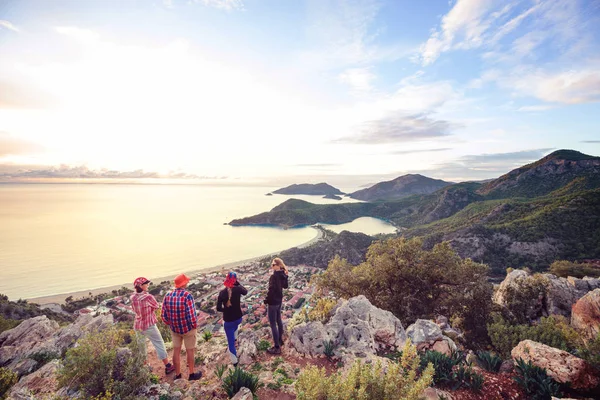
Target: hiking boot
{"points": [[169, 368], [195, 376], [274, 350], [177, 377]]}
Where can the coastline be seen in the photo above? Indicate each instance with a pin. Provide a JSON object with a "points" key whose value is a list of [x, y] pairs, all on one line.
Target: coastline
{"points": [[60, 297]]}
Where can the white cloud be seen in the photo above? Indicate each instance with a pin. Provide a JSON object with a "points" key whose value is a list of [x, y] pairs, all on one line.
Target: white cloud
{"points": [[463, 27], [8, 25], [227, 5], [536, 108], [359, 79], [567, 87]]}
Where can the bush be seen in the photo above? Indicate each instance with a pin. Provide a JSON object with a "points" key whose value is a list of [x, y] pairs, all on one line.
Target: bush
{"points": [[299, 318], [367, 381], [553, 331], [7, 323], [451, 371], [590, 351], [322, 310], [399, 275], [237, 379], [521, 297], [488, 361], [220, 370], [7, 379], [535, 381], [263, 345], [165, 331], [106, 362], [329, 348], [207, 335], [578, 270]]}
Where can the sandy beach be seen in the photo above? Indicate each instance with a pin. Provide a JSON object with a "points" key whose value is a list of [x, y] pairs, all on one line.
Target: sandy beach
{"points": [[60, 298]]}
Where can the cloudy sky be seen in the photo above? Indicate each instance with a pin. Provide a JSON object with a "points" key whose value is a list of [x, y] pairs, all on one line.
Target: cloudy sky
{"points": [[346, 91]]}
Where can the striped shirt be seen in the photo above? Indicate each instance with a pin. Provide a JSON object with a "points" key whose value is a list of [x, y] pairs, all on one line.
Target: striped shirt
{"points": [[178, 311], [144, 305]]}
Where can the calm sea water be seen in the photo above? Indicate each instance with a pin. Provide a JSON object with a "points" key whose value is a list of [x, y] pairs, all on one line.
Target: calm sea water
{"points": [[60, 238]]}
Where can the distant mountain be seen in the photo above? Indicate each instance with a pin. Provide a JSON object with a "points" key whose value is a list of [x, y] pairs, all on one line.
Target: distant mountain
{"points": [[531, 216], [400, 187], [555, 171], [309, 189]]}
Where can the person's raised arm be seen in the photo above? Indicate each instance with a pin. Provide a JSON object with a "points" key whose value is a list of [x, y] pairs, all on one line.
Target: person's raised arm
{"points": [[152, 302], [284, 282], [243, 290]]}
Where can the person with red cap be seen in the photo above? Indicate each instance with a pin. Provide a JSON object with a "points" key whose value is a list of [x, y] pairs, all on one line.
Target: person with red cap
{"points": [[144, 305], [179, 313], [229, 302]]}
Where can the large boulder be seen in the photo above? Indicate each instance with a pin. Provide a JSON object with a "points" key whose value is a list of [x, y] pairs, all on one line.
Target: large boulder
{"points": [[585, 315], [357, 329], [39, 384], [41, 338], [561, 366], [541, 295], [427, 335]]}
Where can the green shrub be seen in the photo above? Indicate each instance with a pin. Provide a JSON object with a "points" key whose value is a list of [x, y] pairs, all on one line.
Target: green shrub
{"points": [[553, 331], [207, 335], [535, 381], [521, 297], [164, 329], [220, 370], [7, 379], [578, 270], [488, 361], [590, 351], [7, 323], [322, 309], [237, 379], [154, 379], [443, 365], [43, 357], [367, 381], [100, 364], [412, 282], [329, 348], [263, 345]]}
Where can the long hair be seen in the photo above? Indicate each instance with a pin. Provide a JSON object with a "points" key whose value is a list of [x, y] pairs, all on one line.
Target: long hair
{"points": [[229, 291], [279, 262]]}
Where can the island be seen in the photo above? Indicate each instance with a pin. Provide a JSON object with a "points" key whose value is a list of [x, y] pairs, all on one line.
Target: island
{"points": [[319, 189], [332, 197]]}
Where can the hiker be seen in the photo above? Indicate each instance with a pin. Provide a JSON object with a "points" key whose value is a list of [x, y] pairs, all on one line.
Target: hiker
{"points": [[277, 282], [144, 305], [229, 303], [179, 313]]}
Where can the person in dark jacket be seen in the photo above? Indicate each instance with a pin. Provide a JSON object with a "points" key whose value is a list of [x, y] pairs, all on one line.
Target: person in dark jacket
{"points": [[228, 302], [277, 282]]}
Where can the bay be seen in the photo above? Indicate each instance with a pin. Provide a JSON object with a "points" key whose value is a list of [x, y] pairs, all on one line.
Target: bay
{"points": [[59, 238]]}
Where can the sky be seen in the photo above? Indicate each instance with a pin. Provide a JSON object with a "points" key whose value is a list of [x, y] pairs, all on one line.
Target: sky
{"points": [[348, 92]]}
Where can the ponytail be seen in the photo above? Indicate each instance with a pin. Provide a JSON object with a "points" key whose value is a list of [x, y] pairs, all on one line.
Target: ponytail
{"points": [[228, 304]]}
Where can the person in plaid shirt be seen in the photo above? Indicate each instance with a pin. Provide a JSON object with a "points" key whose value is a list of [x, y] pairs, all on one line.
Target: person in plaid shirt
{"points": [[179, 313], [144, 305]]}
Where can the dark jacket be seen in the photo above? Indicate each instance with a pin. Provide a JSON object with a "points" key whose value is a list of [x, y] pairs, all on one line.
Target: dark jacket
{"points": [[277, 282], [234, 312]]}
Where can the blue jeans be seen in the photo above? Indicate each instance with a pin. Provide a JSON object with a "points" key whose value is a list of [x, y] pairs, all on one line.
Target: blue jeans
{"points": [[155, 337], [230, 330], [274, 312]]}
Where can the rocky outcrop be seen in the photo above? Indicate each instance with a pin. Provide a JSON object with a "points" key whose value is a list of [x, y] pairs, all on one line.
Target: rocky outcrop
{"points": [[243, 394], [427, 335], [585, 316], [357, 329], [39, 384], [560, 365], [42, 338], [542, 294]]}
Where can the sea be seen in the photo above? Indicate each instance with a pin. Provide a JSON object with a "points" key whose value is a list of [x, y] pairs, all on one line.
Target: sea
{"points": [[62, 238]]}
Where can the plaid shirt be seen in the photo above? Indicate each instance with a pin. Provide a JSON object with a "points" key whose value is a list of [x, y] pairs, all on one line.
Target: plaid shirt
{"points": [[144, 305], [178, 311]]}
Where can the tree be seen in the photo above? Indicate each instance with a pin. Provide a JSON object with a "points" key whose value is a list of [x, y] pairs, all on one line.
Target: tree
{"points": [[400, 276]]}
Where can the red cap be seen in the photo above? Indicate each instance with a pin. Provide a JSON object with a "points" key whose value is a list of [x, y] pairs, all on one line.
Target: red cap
{"points": [[140, 281], [181, 280]]}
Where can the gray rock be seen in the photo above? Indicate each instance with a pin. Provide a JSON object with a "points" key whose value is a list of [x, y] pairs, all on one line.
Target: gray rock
{"points": [[25, 366], [246, 351], [35, 385], [423, 331], [357, 328], [243, 394]]}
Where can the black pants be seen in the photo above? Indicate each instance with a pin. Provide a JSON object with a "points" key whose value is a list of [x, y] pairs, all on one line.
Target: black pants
{"points": [[274, 312]]}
